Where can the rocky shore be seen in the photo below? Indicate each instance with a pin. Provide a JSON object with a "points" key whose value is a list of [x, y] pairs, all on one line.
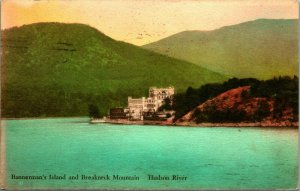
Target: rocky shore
{"points": [[241, 124]]}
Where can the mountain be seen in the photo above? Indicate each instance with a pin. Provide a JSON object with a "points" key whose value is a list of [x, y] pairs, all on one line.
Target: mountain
{"points": [[261, 49], [55, 69]]}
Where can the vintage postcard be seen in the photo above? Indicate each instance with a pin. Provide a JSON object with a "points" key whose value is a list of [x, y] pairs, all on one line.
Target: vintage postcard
{"points": [[149, 94]]}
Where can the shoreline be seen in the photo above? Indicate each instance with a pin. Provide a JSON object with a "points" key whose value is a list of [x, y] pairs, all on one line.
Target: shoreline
{"points": [[192, 124], [244, 124], [268, 124]]}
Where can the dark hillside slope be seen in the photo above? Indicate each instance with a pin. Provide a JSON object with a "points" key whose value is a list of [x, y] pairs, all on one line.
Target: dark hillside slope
{"points": [[53, 69]]}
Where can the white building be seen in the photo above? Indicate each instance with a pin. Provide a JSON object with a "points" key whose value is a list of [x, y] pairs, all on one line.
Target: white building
{"points": [[156, 98], [136, 107], [157, 95]]}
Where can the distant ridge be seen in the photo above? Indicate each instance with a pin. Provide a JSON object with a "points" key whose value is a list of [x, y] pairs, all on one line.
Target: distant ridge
{"points": [[55, 69], [262, 48]]}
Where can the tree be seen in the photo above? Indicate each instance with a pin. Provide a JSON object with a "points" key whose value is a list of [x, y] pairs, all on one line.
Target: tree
{"points": [[245, 95], [94, 111], [167, 105], [199, 116], [263, 110]]}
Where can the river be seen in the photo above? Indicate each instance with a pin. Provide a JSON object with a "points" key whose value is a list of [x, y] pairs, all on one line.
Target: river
{"points": [[69, 150]]}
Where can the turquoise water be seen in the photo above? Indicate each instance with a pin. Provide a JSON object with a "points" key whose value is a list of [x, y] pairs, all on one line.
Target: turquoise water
{"points": [[210, 158]]}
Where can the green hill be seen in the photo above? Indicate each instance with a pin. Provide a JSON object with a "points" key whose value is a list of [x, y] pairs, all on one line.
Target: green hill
{"points": [[262, 48], [53, 69]]}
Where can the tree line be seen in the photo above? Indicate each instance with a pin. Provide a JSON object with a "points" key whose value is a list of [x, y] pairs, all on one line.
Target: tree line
{"points": [[283, 90]]}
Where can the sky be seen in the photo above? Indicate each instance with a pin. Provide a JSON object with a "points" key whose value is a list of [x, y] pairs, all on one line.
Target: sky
{"points": [[141, 22]]}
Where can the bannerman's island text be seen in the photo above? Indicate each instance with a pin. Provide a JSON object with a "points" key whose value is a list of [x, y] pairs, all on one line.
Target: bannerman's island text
{"points": [[97, 177]]}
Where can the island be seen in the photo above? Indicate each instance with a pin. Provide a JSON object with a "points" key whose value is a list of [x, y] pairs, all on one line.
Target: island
{"points": [[235, 103]]}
